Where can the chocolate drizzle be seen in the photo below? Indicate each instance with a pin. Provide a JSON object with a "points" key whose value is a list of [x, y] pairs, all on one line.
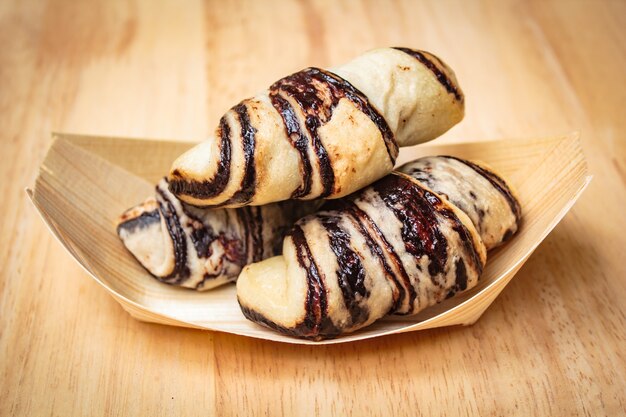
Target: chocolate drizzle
{"points": [[247, 188], [201, 236], [258, 234], [441, 76], [313, 102], [497, 183], [317, 93], [179, 242], [316, 321], [145, 219], [416, 209], [403, 283], [300, 330], [342, 88], [460, 283], [350, 270], [214, 187], [466, 239], [298, 140], [252, 220]]}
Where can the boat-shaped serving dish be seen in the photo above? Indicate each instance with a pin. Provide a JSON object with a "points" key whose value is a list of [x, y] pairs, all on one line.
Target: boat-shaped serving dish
{"points": [[85, 182]]}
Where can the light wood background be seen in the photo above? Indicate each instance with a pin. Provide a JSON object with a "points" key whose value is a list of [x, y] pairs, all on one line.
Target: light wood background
{"points": [[554, 343]]}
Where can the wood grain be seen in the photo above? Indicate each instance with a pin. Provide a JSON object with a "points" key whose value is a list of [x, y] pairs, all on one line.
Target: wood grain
{"points": [[553, 343]]}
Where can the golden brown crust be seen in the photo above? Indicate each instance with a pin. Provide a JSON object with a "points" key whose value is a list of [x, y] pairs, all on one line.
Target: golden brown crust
{"points": [[204, 248], [395, 247], [319, 133]]}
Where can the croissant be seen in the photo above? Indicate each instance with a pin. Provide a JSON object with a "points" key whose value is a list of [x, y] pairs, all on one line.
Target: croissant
{"points": [[321, 133], [199, 248], [396, 247]]}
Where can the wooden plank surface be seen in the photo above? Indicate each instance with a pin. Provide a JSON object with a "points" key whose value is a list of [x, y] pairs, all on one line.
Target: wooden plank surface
{"points": [[554, 343]]}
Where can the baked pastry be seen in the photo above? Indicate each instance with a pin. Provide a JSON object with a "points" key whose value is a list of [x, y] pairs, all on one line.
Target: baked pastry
{"points": [[395, 247], [321, 133], [473, 187], [199, 248]]}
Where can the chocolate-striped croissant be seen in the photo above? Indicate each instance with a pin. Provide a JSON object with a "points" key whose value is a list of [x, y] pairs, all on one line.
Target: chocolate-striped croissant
{"points": [[199, 248], [321, 133], [395, 247]]}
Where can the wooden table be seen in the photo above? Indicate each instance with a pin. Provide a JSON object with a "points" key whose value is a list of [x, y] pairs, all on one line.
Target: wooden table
{"points": [[554, 343]]}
